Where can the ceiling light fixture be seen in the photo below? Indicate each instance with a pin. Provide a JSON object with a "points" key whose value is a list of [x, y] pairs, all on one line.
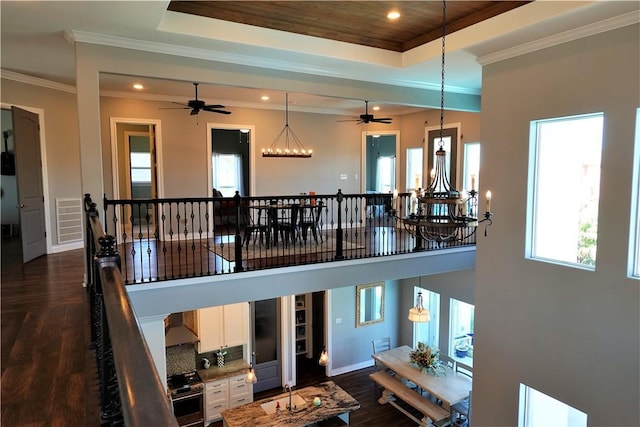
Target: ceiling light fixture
{"points": [[250, 376], [394, 14], [287, 135], [419, 314], [441, 213], [138, 86], [324, 357]]}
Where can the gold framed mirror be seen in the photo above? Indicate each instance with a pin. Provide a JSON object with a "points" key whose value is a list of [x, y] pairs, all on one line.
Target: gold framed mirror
{"points": [[369, 304]]}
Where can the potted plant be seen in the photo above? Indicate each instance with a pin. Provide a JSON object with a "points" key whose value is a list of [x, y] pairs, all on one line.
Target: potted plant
{"points": [[462, 349]]}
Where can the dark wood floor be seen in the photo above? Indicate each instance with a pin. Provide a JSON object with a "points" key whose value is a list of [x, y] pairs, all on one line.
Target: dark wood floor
{"points": [[48, 375], [47, 370]]}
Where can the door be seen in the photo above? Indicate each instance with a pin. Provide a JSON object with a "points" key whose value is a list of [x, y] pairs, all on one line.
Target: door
{"points": [[266, 344], [26, 132]]}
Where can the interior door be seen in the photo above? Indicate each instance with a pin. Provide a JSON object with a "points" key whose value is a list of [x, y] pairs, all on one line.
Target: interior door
{"points": [[26, 133], [266, 344]]}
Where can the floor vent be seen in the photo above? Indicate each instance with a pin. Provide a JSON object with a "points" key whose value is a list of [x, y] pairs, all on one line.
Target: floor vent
{"points": [[69, 218]]}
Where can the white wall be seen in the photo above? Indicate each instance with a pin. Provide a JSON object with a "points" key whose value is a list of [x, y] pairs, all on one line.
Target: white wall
{"points": [[568, 333]]}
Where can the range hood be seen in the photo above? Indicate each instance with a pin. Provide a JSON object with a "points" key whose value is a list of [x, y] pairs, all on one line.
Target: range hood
{"points": [[177, 333]]}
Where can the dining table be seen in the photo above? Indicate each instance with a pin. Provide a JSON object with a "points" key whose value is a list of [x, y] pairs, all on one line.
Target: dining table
{"points": [[278, 212], [450, 387]]}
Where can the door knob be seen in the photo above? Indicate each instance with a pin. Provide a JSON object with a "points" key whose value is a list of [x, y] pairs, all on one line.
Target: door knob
{"points": [[22, 206]]}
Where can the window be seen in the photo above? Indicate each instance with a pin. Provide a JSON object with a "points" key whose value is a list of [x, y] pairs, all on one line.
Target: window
{"points": [[461, 331], [564, 183], [427, 332], [471, 166], [414, 168], [635, 208], [450, 145], [385, 174], [536, 409], [227, 173]]}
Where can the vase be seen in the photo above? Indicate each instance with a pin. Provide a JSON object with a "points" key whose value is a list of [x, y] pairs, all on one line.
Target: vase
{"points": [[220, 358]]}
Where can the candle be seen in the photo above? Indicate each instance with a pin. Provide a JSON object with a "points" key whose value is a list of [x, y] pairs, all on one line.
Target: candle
{"points": [[433, 175], [395, 199], [488, 196], [473, 181], [417, 181], [414, 202], [463, 203]]}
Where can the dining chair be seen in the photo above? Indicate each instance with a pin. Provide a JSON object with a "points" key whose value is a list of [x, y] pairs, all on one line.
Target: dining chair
{"points": [[251, 226], [447, 361], [380, 345], [288, 224], [310, 220], [464, 369], [460, 413]]}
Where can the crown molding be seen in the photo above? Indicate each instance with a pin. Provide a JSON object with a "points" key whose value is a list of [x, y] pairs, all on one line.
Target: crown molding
{"points": [[74, 36], [36, 81], [560, 38]]}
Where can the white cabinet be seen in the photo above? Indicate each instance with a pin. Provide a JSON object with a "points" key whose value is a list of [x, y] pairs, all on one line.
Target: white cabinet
{"points": [[240, 393], [222, 326], [225, 393]]}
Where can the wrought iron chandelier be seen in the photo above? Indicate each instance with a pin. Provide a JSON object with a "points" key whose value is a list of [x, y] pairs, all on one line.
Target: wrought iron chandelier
{"points": [[296, 149], [443, 214]]}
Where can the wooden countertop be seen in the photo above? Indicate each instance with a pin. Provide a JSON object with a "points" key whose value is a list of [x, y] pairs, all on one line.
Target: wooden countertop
{"points": [[230, 369], [334, 401]]}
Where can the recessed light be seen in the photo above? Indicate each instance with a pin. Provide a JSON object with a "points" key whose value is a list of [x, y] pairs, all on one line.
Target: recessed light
{"points": [[264, 97], [138, 86], [376, 108], [394, 14]]}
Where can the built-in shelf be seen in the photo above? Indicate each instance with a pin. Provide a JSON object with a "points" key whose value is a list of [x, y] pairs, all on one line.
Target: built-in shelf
{"points": [[303, 325]]}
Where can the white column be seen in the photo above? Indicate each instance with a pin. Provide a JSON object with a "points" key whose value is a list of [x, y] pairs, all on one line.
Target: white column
{"points": [[153, 331]]}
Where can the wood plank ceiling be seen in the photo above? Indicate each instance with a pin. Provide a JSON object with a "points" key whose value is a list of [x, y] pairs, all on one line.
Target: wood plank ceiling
{"points": [[358, 22]]}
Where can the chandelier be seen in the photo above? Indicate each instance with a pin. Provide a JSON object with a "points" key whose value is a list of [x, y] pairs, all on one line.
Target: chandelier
{"points": [[291, 145], [440, 213]]}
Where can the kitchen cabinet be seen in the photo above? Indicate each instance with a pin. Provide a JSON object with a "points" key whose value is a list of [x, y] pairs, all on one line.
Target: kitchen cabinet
{"points": [[222, 326], [225, 393], [303, 325]]}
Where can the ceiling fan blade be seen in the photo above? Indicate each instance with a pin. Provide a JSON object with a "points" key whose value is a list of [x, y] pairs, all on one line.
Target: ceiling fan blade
{"points": [[215, 109], [386, 120]]}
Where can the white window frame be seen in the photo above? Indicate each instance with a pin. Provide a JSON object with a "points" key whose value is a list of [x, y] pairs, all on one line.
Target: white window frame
{"points": [[634, 230], [469, 169], [411, 180], [531, 249], [535, 409], [431, 301], [454, 309]]}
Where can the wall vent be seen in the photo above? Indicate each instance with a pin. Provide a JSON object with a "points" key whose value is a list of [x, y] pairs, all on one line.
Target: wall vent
{"points": [[69, 220]]}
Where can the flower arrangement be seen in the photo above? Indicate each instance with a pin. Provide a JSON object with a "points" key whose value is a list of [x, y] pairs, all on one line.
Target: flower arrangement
{"points": [[427, 359]]}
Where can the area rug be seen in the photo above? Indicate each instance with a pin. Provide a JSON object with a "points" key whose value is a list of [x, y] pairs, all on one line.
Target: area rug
{"points": [[325, 248]]}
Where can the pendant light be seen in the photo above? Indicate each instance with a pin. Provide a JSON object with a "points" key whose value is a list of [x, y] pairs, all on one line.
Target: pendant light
{"points": [[419, 314], [286, 135], [324, 357], [250, 376]]}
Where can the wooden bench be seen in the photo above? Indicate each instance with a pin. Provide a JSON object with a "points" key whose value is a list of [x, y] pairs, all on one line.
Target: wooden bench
{"points": [[392, 386]]}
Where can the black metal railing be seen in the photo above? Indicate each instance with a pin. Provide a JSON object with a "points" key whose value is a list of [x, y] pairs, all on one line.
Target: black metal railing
{"points": [[176, 238], [131, 393]]}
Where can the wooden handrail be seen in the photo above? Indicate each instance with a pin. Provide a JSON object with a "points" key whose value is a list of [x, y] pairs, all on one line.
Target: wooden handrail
{"points": [[142, 399]]}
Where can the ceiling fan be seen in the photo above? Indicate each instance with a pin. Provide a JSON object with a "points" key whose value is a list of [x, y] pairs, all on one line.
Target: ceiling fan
{"points": [[368, 118], [196, 105]]}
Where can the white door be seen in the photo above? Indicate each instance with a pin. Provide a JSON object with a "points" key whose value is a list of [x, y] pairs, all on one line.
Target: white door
{"points": [[26, 133]]}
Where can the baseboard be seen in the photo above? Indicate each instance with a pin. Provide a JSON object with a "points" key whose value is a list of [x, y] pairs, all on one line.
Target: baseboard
{"points": [[351, 368], [56, 249]]}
